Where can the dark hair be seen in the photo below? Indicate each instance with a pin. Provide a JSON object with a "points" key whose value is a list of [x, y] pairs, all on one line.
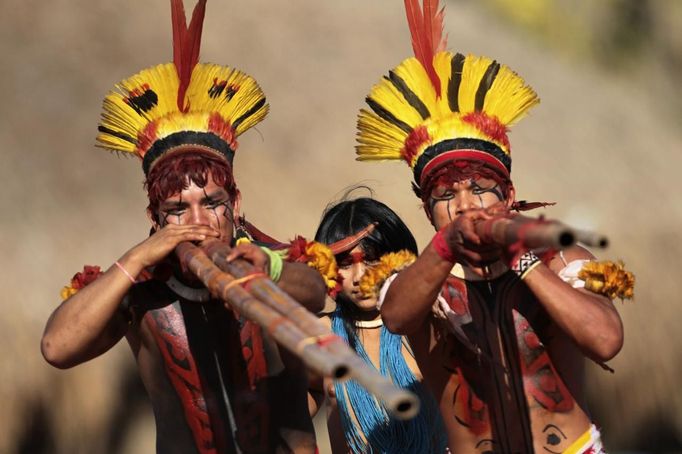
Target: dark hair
{"points": [[174, 174], [350, 216]]}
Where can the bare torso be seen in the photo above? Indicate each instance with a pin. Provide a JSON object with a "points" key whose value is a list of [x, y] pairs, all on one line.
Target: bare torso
{"points": [[199, 375], [507, 379]]}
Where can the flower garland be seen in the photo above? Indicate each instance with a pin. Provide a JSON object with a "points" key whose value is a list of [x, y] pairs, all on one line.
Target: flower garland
{"points": [[317, 256], [608, 278], [80, 280], [376, 275]]}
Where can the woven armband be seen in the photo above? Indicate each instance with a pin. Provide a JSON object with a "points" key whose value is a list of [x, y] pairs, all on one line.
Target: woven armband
{"points": [[276, 263], [525, 264]]}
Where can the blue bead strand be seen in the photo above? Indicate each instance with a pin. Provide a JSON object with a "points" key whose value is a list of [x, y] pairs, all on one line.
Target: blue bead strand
{"points": [[375, 431]]}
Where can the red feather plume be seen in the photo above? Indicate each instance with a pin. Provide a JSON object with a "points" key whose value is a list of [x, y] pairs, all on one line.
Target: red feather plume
{"points": [[186, 44], [426, 28]]}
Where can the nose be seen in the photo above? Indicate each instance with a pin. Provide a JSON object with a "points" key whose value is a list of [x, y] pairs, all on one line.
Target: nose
{"points": [[357, 271], [199, 216], [464, 201]]}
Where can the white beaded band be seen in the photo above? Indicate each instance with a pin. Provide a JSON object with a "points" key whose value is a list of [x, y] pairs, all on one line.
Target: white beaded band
{"points": [[525, 264]]}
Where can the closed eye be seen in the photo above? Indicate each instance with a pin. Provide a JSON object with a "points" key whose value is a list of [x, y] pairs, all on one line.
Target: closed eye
{"points": [[174, 211], [442, 194]]}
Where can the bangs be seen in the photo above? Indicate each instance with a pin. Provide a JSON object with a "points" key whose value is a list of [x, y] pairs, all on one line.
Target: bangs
{"points": [[173, 175], [463, 170], [349, 217]]}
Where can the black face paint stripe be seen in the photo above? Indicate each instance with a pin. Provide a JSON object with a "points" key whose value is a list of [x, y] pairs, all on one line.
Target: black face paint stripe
{"points": [[215, 213], [495, 190], [456, 65], [485, 84], [228, 212], [498, 192], [432, 204], [408, 94]]}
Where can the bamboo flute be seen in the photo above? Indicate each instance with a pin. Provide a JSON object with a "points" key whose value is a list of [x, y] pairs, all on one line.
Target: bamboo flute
{"points": [[533, 233], [283, 330], [401, 403], [290, 324]]}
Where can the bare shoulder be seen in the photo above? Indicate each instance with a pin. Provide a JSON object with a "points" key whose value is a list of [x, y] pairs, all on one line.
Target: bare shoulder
{"points": [[329, 307], [326, 320]]}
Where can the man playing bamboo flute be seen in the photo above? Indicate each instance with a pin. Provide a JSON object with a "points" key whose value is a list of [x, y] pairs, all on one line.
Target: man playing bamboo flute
{"points": [[499, 335], [217, 382]]}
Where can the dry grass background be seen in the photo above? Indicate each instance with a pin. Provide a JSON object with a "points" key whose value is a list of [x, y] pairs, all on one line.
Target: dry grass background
{"points": [[606, 145]]}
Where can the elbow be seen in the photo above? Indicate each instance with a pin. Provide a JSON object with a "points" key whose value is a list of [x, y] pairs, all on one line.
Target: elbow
{"points": [[610, 344], [610, 348], [53, 355], [393, 322]]}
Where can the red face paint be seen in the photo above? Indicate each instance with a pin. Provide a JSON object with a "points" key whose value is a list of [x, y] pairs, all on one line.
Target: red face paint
{"points": [[357, 257]]}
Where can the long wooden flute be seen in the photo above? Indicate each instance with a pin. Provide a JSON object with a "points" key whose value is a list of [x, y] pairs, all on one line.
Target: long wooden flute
{"points": [[535, 233], [290, 324]]}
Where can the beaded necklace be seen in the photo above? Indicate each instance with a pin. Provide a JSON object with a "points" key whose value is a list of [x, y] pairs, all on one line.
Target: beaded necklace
{"points": [[375, 431]]}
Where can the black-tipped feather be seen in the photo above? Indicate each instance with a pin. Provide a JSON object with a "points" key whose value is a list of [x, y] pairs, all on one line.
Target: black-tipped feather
{"points": [[409, 95], [386, 115], [485, 84], [456, 65], [256, 107]]}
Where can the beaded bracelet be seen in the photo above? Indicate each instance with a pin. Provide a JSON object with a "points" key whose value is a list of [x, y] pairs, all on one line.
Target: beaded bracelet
{"points": [[525, 264], [276, 264], [124, 271]]}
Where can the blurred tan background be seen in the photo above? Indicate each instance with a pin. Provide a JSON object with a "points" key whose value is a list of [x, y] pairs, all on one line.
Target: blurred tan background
{"points": [[605, 143]]}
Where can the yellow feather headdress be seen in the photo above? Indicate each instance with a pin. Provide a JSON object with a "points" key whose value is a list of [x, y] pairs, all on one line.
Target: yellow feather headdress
{"points": [[181, 106], [438, 107]]}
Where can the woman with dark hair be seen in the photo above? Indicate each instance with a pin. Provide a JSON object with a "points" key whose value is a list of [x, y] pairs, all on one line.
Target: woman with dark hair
{"points": [[378, 243]]}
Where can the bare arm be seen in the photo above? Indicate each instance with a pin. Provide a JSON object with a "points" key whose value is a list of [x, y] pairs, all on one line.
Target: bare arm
{"points": [[89, 323], [303, 284], [411, 295], [317, 384], [337, 439], [589, 319]]}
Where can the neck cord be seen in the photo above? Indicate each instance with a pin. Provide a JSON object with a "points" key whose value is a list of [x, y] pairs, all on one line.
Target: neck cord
{"points": [[197, 295]]}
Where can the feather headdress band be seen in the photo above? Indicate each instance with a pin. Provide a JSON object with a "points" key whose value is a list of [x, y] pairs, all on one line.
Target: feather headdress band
{"points": [[181, 106], [437, 107]]}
